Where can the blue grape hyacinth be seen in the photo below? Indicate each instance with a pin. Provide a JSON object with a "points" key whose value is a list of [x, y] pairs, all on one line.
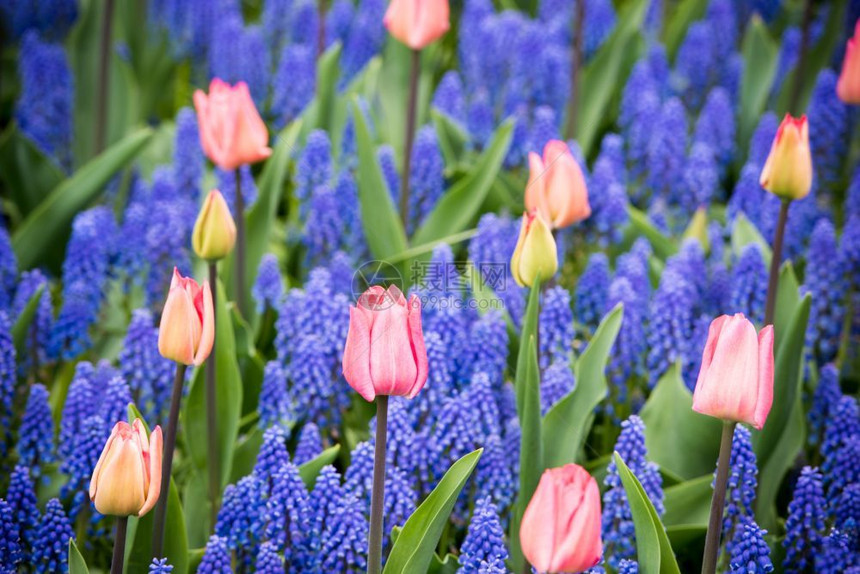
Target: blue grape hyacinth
{"points": [[805, 525], [36, 435], [484, 549], [51, 545]]}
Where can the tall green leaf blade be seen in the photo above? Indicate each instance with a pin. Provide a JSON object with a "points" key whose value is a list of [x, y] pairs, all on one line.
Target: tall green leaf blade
{"points": [[457, 209], [309, 470], [29, 174], [452, 138], [689, 503], [416, 545], [679, 19], [47, 226], [382, 226], [663, 246], [77, 564], [760, 53], [529, 330], [745, 233], [567, 423], [22, 324], [328, 71], [228, 392], [679, 439], [655, 552]]}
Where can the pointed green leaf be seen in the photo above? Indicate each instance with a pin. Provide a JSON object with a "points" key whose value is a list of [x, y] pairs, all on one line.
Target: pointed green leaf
{"points": [[21, 328], [416, 544], [452, 138], [77, 564], [39, 236], [529, 330], [761, 54], [663, 246], [328, 71], [655, 552], [309, 470], [567, 423], [745, 233], [29, 174], [689, 503]]}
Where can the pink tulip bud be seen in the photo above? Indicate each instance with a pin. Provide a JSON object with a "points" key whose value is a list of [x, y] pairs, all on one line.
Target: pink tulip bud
{"points": [[535, 254], [187, 329], [384, 352], [556, 186], [127, 477], [787, 172], [214, 231], [417, 23], [232, 133], [848, 87], [560, 531], [736, 377]]}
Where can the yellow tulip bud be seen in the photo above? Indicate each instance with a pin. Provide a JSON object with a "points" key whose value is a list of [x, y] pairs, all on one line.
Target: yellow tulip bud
{"points": [[215, 231], [787, 172], [535, 253]]}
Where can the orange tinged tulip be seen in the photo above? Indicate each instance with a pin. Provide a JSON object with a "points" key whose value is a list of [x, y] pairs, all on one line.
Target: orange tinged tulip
{"points": [[787, 172], [417, 23], [187, 329], [848, 87], [556, 186], [127, 477]]}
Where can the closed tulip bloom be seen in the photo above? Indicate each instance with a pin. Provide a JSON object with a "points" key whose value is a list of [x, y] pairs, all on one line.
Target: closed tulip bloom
{"points": [[215, 231], [848, 87], [535, 252], [127, 477], [417, 23], [384, 353], [187, 328], [736, 378], [556, 186], [232, 133], [560, 531], [787, 172]]}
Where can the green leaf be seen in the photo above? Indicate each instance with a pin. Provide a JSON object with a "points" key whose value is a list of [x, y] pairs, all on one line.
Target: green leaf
{"points": [[567, 423], [77, 564], [260, 217], [416, 544], [328, 71], [22, 324], [245, 456], [382, 226], [228, 385], [309, 470], [452, 138], [679, 439], [745, 233], [679, 19], [663, 246], [605, 74], [761, 55], [655, 552], [198, 514], [689, 503], [787, 301], [457, 209], [29, 174], [40, 235], [774, 468], [134, 414]]}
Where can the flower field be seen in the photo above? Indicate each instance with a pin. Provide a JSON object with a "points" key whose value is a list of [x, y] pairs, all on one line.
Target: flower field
{"points": [[430, 286]]}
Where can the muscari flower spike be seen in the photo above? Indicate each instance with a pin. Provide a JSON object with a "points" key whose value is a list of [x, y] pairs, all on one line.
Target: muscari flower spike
{"points": [[484, 549], [805, 525]]}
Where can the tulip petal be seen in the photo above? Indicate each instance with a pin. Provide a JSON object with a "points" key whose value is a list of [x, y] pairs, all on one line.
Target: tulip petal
{"points": [[94, 479], [156, 445], [539, 524], [356, 353], [419, 352], [392, 366], [765, 377], [120, 489], [207, 337]]}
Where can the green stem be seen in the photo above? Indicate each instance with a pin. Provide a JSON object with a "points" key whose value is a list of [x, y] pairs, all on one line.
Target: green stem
{"points": [[240, 246], [374, 557], [572, 103], [800, 71], [160, 516], [212, 414], [411, 111], [104, 77], [718, 501], [773, 279], [119, 545]]}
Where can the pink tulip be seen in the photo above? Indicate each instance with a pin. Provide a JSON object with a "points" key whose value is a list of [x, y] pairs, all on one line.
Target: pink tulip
{"points": [[848, 87], [787, 173], [560, 531], [556, 186], [187, 329], [384, 352], [736, 378], [127, 477], [417, 23], [231, 131]]}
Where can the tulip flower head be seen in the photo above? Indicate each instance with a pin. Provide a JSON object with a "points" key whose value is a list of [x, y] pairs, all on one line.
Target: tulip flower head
{"points": [[787, 172], [232, 133], [560, 531], [535, 252], [384, 353], [127, 477], [736, 378], [848, 87], [214, 231], [556, 186], [187, 329], [417, 23]]}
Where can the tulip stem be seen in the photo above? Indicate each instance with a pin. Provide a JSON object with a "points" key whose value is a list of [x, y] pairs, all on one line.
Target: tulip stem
{"points": [[411, 112], [800, 71], [718, 501], [167, 462], [374, 558], [119, 545], [572, 102], [104, 77], [240, 245], [776, 257], [212, 414], [320, 27]]}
